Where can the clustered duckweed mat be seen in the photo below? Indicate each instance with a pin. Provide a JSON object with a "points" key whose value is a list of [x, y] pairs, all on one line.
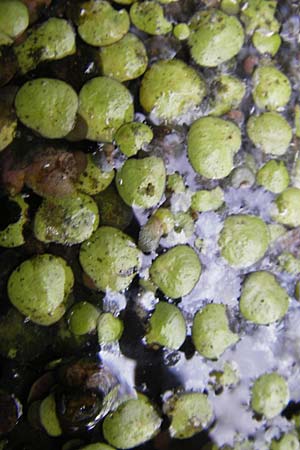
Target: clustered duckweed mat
{"points": [[149, 224]]}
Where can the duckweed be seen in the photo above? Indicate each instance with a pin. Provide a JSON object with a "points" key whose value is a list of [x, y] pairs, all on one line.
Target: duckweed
{"points": [[289, 263], [39, 288], [212, 144], [12, 235], [165, 2], [260, 15], [181, 31], [263, 300], [230, 6], [207, 200], [21, 340], [297, 291], [110, 328], [110, 258], [68, 221], [296, 174], [100, 24], [53, 40], [270, 132], [297, 120], [94, 180], [134, 422], [124, 2], [98, 445], [270, 395], [276, 231], [227, 94], [265, 42], [273, 176], [190, 413], [184, 224], [224, 31], [230, 375], [8, 126], [166, 326], [160, 223], [124, 60], [148, 16], [5, 39], [288, 441], [132, 137], [271, 88], [105, 105], [48, 106], [48, 416], [194, 347], [83, 317], [175, 183], [141, 182], [14, 18], [113, 210], [170, 88], [244, 240], [211, 333], [286, 207], [242, 177], [177, 271]]}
